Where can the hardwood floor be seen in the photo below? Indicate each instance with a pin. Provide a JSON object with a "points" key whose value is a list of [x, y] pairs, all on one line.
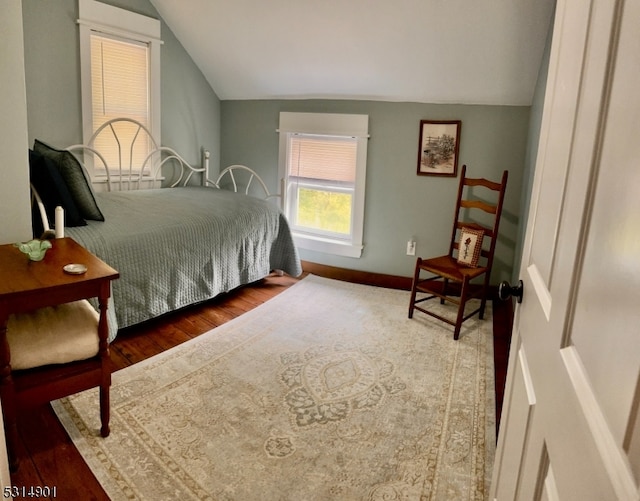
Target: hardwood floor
{"points": [[48, 456]]}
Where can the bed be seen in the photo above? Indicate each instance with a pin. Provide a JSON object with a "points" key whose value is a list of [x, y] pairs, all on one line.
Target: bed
{"points": [[176, 245]]}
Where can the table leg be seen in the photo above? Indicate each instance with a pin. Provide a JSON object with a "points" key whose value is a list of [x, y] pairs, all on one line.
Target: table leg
{"points": [[105, 360], [8, 396]]}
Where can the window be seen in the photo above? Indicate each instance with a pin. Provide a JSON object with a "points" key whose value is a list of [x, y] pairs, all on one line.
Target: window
{"points": [[323, 164], [120, 69]]}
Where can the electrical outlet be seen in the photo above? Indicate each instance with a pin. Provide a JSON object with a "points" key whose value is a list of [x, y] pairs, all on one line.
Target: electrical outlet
{"points": [[411, 248]]}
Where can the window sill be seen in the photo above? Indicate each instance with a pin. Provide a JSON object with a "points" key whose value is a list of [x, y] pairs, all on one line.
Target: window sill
{"points": [[327, 245]]}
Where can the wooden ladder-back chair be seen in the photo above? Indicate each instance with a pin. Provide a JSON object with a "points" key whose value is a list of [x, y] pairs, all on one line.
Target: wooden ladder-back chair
{"points": [[470, 257]]}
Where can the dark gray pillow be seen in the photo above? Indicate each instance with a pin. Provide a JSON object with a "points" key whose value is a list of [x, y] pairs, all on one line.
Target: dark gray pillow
{"points": [[53, 191], [75, 177]]}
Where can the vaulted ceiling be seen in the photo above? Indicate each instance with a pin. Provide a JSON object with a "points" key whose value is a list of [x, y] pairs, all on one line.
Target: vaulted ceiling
{"points": [[430, 51]]}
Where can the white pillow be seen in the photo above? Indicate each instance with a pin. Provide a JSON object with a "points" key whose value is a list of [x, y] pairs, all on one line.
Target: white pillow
{"points": [[53, 335]]}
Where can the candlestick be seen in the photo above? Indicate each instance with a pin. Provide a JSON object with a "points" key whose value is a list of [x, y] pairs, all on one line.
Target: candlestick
{"points": [[59, 222]]}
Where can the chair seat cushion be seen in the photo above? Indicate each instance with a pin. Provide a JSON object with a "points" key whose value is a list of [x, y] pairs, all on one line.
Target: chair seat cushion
{"points": [[449, 267], [53, 335]]}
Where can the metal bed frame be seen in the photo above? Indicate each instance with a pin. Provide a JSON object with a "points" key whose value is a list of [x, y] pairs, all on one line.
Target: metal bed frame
{"points": [[126, 175]]}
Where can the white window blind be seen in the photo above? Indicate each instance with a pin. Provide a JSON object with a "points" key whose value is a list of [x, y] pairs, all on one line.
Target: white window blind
{"points": [[120, 88], [323, 158]]}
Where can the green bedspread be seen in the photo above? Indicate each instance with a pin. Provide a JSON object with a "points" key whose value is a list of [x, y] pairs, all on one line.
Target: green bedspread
{"points": [[178, 246]]}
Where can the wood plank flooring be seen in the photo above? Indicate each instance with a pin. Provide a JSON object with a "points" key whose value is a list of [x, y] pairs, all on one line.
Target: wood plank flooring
{"points": [[49, 458]]}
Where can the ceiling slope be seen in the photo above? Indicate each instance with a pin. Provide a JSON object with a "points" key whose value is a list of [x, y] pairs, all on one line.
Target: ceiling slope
{"points": [[430, 51]]}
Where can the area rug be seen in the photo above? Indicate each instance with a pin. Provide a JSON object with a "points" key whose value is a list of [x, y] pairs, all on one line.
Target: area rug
{"points": [[325, 392]]}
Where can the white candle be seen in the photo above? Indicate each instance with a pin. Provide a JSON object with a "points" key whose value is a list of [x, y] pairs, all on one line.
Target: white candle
{"points": [[59, 222]]}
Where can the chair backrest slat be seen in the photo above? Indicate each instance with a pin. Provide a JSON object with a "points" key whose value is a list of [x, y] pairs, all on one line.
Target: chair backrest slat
{"points": [[477, 204], [492, 185]]}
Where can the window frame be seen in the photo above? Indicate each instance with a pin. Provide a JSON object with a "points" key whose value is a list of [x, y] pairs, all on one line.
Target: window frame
{"points": [[327, 124], [125, 25]]}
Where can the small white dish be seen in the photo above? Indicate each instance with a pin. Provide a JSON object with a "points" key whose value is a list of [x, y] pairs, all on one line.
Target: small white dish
{"points": [[75, 269]]}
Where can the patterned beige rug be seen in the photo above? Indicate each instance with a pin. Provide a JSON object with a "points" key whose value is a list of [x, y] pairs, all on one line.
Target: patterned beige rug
{"points": [[326, 392]]}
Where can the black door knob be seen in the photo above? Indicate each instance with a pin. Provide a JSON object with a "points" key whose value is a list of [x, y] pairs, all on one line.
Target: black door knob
{"points": [[506, 290]]}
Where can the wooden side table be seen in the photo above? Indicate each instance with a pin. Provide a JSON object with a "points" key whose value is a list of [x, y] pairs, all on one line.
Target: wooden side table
{"points": [[28, 285]]}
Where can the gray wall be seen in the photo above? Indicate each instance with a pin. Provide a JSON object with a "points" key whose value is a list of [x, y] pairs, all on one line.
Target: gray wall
{"points": [[15, 219], [399, 203], [532, 151], [190, 108]]}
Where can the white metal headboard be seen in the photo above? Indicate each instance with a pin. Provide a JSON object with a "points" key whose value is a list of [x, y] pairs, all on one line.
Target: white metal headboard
{"points": [[240, 178], [126, 175]]}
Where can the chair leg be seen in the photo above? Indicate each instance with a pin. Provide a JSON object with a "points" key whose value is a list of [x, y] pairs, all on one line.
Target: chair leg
{"points": [[483, 300], [414, 285], [463, 300], [445, 286]]}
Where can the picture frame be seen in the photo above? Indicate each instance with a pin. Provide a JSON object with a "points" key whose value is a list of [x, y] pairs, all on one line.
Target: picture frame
{"points": [[439, 147], [470, 246]]}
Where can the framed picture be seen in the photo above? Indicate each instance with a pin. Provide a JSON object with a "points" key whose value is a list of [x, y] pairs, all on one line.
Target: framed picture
{"points": [[439, 146]]}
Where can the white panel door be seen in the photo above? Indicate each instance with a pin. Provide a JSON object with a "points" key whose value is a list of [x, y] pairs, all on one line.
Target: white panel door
{"points": [[570, 428]]}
